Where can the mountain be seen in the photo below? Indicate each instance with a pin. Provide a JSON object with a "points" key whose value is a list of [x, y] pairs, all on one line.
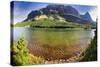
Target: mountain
{"points": [[87, 17], [53, 10], [67, 13]]}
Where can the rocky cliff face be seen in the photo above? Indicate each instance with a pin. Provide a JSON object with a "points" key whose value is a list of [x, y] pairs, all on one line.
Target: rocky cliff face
{"points": [[67, 12]]}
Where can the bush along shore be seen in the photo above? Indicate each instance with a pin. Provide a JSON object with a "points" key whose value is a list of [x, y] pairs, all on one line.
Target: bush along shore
{"points": [[90, 54]]}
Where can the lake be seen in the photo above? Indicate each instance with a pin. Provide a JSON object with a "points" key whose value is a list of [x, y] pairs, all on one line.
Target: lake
{"points": [[55, 44]]}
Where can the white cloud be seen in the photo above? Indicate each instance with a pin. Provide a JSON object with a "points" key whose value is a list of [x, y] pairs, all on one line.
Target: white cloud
{"points": [[94, 13]]}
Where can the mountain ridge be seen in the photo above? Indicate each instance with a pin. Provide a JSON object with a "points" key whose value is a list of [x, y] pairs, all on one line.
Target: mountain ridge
{"points": [[66, 12]]}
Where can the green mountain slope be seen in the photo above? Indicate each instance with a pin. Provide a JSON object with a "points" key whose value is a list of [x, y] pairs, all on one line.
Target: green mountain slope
{"points": [[49, 23]]}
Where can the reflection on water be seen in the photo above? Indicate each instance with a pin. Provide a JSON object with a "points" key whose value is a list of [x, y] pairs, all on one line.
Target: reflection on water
{"points": [[55, 44]]}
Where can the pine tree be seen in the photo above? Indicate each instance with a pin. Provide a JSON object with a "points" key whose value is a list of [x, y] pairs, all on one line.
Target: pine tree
{"points": [[20, 52]]}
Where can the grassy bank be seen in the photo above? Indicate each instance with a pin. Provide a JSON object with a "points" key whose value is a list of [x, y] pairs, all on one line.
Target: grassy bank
{"points": [[47, 23]]}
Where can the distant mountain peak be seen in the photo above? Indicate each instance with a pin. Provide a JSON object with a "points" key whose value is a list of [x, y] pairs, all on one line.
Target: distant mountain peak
{"points": [[87, 16]]}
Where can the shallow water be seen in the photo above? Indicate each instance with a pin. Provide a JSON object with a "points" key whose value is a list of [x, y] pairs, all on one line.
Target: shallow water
{"points": [[53, 44]]}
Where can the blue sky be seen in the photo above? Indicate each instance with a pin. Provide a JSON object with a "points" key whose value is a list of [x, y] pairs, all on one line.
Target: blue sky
{"points": [[22, 9]]}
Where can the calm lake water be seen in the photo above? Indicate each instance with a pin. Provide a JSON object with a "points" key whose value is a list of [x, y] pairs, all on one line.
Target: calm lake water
{"points": [[53, 44]]}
